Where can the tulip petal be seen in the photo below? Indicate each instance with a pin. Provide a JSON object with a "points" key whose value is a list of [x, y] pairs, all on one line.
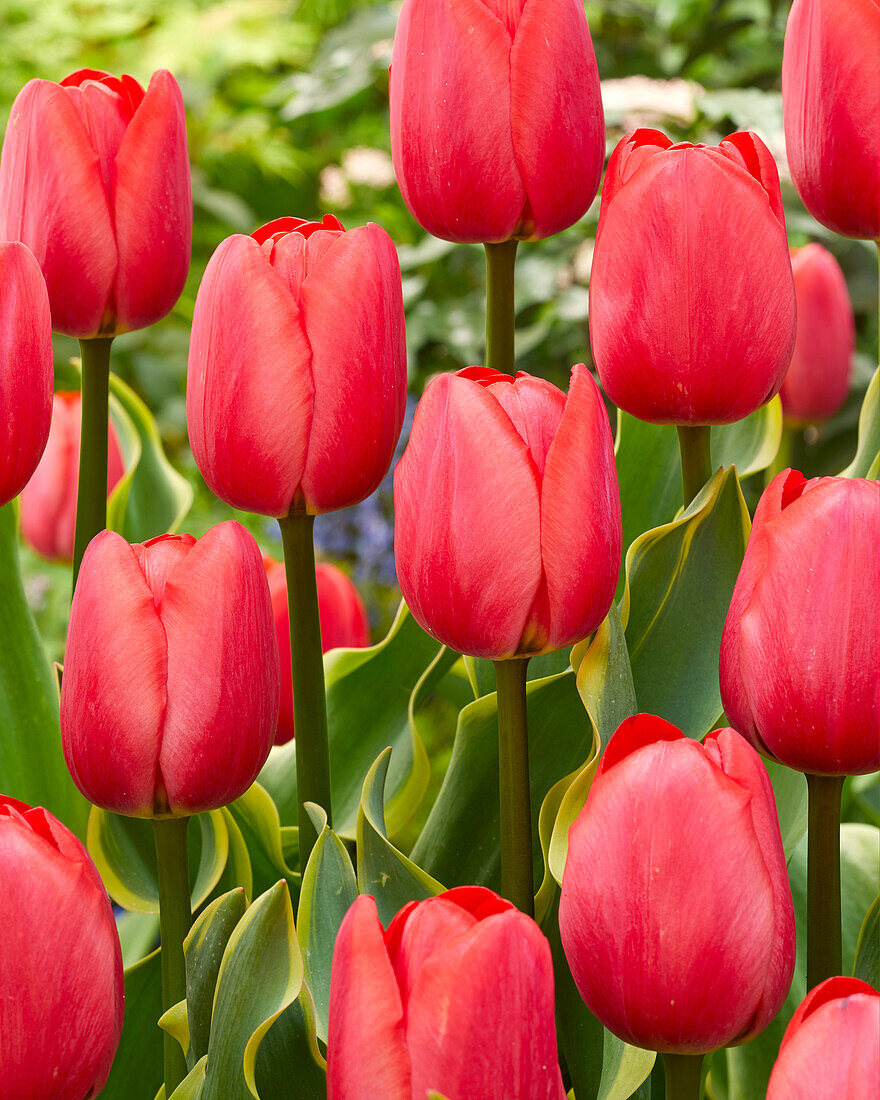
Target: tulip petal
{"points": [[535, 407], [466, 521], [114, 637], [366, 1049], [431, 926]]}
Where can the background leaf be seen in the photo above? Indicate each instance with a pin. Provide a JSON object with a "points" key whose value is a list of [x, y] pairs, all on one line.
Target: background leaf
{"points": [[138, 1061]]}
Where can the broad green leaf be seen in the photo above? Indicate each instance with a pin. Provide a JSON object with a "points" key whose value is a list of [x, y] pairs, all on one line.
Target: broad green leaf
{"points": [[190, 1088], [256, 816], [138, 935], [382, 870], [680, 580], [32, 766], [481, 673], [175, 1023], [137, 1067], [328, 889], [237, 872], [790, 792], [866, 461], [124, 853], [867, 964], [289, 1052], [624, 1068], [750, 444], [152, 497]]}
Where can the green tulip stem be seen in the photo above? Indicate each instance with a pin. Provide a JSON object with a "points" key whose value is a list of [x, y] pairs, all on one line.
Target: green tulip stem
{"points": [[309, 702], [824, 954], [175, 918], [91, 499], [515, 795], [683, 1076], [500, 309], [696, 459]]}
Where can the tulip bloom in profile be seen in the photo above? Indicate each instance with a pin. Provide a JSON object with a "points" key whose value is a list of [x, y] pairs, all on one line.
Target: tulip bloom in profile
{"points": [[818, 379], [507, 534], [60, 963], [455, 997], [831, 1047], [297, 367], [497, 127], [831, 111], [676, 914], [692, 307], [94, 179], [799, 653], [48, 503], [170, 690], [343, 625], [25, 368]]}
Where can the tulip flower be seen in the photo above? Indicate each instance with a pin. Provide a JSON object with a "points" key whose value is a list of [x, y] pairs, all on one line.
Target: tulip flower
{"points": [[61, 991], [456, 997], [170, 692], [831, 111], [497, 128], [676, 914], [799, 663], [831, 1047], [48, 503], [297, 367], [94, 179], [692, 307], [343, 619], [818, 378], [25, 368], [507, 522]]}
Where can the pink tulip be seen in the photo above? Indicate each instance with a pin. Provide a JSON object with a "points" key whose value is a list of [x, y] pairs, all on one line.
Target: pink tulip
{"points": [[676, 914], [25, 368], [343, 619], [507, 531], [170, 692], [61, 992], [692, 307], [48, 503], [831, 1047], [456, 997], [831, 111], [94, 179], [800, 652], [497, 128], [817, 381], [297, 367]]}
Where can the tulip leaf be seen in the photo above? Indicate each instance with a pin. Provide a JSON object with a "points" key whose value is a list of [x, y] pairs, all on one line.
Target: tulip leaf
{"points": [[790, 792], [124, 853], [865, 462], [382, 870], [290, 1050], [32, 766], [679, 582], [151, 497], [256, 816], [624, 1068], [137, 1067], [481, 672], [328, 889], [138, 935], [237, 872], [190, 1088], [867, 964], [459, 842], [749, 444]]}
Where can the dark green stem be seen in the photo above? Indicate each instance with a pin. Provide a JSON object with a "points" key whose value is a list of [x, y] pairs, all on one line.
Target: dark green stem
{"points": [[683, 1073], [824, 955], [513, 769], [500, 308], [175, 918], [309, 702], [91, 500], [696, 459]]}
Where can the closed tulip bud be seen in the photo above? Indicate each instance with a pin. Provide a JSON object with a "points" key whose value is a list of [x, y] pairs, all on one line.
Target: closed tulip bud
{"points": [[507, 530], [676, 914], [456, 997], [831, 1047], [94, 178], [25, 368], [48, 503], [692, 307], [297, 367], [817, 381], [170, 692], [61, 993], [343, 620], [831, 111], [800, 652], [497, 128]]}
